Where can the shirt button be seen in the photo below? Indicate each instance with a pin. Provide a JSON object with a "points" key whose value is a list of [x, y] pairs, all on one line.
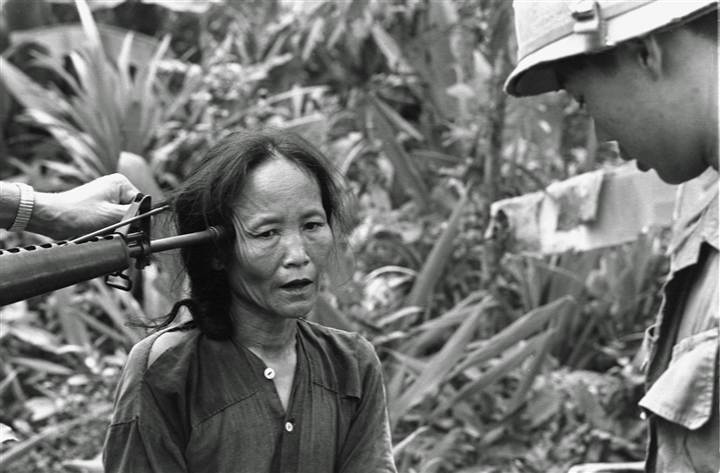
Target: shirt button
{"points": [[289, 426], [269, 373]]}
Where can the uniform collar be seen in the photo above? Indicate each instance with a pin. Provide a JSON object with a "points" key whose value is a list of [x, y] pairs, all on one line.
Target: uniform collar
{"points": [[701, 227]]}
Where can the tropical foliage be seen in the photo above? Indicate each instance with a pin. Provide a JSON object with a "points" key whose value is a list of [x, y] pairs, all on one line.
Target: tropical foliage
{"points": [[495, 361]]}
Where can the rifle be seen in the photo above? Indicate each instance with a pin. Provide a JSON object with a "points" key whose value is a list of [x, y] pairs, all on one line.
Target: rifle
{"points": [[37, 269]]}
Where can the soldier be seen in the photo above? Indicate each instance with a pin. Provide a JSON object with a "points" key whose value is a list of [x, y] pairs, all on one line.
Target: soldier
{"points": [[647, 73]]}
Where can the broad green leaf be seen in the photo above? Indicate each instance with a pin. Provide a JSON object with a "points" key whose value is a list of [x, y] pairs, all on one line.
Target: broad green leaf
{"points": [[109, 111], [149, 79], [74, 330], [94, 465], [313, 38], [139, 172], [92, 35], [14, 313], [436, 459], [511, 359], [11, 381], [43, 366], [400, 446], [77, 144], [195, 6], [410, 363], [527, 380], [61, 40], [123, 62], [22, 449], [56, 66], [390, 49], [405, 169], [440, 254], [397, 120], [99, 326], [95, 4], [527, 325], [608, 467], [433, 330], [28, 92], [345, 160], [398, 315], [6, 434], [35, 336], [62, 169], [41, 408], [440, 365], [120, 314]]}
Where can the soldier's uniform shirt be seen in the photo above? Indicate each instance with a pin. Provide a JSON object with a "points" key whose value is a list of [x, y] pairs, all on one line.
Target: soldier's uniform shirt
{"points": [[682, 373], [211, 406]]}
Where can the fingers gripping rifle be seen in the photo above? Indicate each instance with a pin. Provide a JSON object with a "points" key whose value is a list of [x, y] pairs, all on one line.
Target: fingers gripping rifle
{"points": [[37, 269]]}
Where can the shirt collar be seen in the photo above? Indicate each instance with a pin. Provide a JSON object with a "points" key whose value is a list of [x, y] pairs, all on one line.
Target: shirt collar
{"points": [[700, 228], [332, 359]]}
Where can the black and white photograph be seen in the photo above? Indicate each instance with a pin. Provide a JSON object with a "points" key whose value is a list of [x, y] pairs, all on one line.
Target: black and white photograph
{"points": [[359, 236]]}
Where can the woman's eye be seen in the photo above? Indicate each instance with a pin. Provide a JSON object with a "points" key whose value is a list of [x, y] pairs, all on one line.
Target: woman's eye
{"points": [[314, 225], [266, 234]]}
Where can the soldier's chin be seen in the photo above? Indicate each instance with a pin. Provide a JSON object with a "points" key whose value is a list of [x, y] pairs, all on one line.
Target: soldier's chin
{"points": [[641, 166], [620, 151]]}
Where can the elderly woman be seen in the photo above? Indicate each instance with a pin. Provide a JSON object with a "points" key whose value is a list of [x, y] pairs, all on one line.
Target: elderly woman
{"points": [[250, 385]]}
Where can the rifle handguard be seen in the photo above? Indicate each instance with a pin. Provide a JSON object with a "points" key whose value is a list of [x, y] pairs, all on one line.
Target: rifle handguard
{"points": [[33, 270]]}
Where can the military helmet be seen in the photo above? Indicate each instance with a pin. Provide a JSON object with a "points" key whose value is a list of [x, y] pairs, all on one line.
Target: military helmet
{"points": [[548, 30]]}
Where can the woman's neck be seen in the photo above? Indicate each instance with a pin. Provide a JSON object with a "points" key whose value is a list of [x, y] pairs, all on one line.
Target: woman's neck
{"points": [[265, 334]]}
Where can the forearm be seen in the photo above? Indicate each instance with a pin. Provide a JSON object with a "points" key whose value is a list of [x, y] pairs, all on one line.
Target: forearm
{"points": [[51, 216], [9, 201], [46, 217], [83, 209]]}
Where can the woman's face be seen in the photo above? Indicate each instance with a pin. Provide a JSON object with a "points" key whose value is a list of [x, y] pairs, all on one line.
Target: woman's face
{"points": [[283, 239]]}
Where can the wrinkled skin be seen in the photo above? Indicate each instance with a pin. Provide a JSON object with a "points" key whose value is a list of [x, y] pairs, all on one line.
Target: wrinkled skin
{"points": [[282, 236]]}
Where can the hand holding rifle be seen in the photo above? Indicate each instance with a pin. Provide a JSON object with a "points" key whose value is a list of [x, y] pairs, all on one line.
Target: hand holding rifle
{"points": [[83, 209]]}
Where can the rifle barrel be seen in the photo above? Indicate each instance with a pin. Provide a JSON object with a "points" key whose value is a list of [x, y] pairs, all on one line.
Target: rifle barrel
{"points": [[188, 239]]}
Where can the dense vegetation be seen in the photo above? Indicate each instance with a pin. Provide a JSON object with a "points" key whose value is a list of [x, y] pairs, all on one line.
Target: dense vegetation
{"points": [[495, 360]]}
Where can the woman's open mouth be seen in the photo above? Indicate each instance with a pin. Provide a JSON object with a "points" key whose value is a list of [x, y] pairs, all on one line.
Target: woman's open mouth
{"points": [[297, 285]]}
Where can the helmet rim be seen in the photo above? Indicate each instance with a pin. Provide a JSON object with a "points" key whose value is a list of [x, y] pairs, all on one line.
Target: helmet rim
{"points": [[534, 73]]}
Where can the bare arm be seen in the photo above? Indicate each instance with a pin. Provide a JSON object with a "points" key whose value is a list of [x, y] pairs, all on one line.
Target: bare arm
{"points": [[83, 209]]}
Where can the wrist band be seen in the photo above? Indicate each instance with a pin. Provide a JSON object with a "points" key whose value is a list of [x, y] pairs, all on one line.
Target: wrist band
{"points": [[25, 208]]}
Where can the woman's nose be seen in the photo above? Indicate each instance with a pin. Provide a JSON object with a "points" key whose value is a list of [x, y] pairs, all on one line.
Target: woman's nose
{"points": [[295, 252]]}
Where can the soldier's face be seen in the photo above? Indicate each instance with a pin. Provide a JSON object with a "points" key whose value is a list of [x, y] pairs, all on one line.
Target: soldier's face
{"points": [[642, 115]]}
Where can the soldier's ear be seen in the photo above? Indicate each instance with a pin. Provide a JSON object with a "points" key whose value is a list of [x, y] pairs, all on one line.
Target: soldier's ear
{"points": [[648, 53]]}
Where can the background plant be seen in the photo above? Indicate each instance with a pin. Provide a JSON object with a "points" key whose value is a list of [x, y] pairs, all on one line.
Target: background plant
{"points": [[494, 360]]}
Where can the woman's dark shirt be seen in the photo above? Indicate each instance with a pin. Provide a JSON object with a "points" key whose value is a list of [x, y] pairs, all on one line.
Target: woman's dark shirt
{"points": [[206, 406]]}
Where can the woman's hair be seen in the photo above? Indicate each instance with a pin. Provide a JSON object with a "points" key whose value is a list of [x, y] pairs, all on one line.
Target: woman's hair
{"points": [[207, 198]]}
